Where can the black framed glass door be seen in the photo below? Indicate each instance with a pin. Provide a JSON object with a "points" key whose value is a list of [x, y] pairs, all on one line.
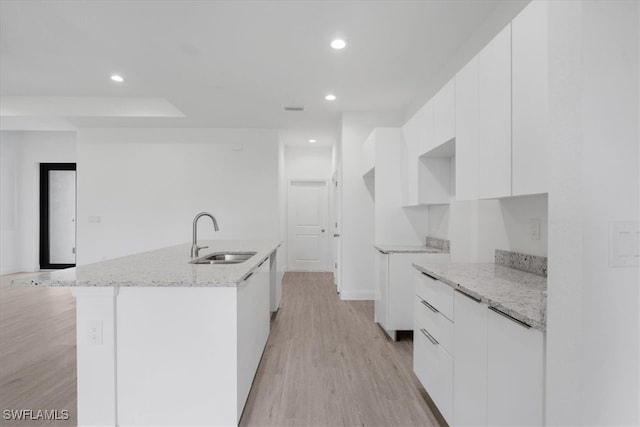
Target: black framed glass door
{"points": [[57, 215]]}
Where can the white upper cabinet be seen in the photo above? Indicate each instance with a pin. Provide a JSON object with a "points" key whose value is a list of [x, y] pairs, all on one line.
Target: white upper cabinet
{"points": [[368, 156], [424, 120], [444, 114], [409, 169], [467, 105], [494, 132], [530, 68], [418, 139]]}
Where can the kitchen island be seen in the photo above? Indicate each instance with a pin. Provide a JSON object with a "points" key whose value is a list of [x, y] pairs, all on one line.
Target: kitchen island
{"points": [[161, 341]]}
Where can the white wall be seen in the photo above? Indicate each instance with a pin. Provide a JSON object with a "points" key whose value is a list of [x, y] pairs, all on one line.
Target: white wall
{"points": [[308, 163], [22, 153], [148, 184], [593, 353], [9, 236], [357, 207], [477, 228]]}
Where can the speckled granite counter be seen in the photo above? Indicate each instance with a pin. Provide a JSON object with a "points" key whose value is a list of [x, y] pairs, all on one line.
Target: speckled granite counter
{"points": [[168, 267], [517, 293], [408, 249]]}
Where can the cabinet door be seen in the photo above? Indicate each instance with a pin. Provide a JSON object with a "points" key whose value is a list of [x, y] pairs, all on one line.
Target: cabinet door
{"points": [[470, 362], [494, 143], [425, 117], [515, 373], [530, 68], [444, 114], [409, 169], [382, 286], [467, 105]]}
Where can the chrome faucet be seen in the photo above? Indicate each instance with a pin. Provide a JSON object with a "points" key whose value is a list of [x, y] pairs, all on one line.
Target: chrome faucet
{"points": [[195, 249]]}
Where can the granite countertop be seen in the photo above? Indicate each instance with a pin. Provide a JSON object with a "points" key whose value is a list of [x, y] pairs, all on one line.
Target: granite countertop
{"points": [[391, 249], [517, 293], [162, 267]]}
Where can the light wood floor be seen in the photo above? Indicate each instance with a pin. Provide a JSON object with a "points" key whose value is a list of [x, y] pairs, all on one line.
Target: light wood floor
{"points": [[37, 351], [326, 362]]}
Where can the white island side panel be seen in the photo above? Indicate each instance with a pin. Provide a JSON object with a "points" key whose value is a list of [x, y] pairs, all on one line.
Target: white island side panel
{"points": [[177, 356]]}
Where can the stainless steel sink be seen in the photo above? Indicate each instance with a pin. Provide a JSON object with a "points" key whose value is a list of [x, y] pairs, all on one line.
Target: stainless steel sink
{"points": [[224, 258]]}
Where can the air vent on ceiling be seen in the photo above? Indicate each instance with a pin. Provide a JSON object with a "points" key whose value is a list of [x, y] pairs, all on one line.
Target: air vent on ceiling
{"points": [[293, 107]]}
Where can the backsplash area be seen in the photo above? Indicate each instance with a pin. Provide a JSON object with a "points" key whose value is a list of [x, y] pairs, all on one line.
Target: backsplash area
{"points": [[525, 262], [442, 244]]}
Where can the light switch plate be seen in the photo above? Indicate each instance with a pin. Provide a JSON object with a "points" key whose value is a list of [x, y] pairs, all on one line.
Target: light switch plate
{"points": [[534, 229], [624, 244]]}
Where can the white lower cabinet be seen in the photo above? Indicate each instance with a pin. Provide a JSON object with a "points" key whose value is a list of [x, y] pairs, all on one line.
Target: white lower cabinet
{"points": [[480, 366], [514, 373], [433, 342], [470, 364], [393, 309]]}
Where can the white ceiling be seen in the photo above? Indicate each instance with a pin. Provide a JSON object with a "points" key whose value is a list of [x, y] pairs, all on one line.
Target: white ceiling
{"points": [[230, 63]]}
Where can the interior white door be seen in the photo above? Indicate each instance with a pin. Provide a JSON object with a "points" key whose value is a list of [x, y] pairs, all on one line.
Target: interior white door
{"points": [[308, 209], [62, 216], [336, 234]]}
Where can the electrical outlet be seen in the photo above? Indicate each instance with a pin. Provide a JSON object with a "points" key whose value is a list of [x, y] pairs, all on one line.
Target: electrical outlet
{"points": [[624, 243], [534, 229], [94, 332]]}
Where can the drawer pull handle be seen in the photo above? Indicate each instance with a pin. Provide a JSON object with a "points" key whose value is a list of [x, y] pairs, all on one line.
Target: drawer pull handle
{"points": [[429, 337], [519, 322], [429, 306], [468, 296], [429, 276], [247, 276]]}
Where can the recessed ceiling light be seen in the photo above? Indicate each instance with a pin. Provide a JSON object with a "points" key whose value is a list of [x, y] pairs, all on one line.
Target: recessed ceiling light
{"points": [[338, 44], [312, 141], [117, 78], [330, 97]]}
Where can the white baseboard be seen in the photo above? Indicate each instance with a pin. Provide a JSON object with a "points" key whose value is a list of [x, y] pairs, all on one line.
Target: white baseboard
{"points": [[8, 270], [357, 295]]}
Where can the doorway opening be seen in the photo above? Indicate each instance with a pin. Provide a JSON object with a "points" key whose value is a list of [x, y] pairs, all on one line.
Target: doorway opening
{"points": [[57, 215]]}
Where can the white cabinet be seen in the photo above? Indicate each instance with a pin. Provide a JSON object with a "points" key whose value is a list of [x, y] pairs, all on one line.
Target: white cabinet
{"points": [[483, 122], [381, 304], [494, 114], [418, 139], [433, 341], [467, 105], [530, 73], [514, 372], [367, 166], [253, 319], [470, 363], [392, 223], [444, 114], [394, 280]]}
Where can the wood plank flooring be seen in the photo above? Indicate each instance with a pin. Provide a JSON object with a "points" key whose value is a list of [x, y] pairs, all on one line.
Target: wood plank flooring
{"points": [[326, 362], [37, 351]]}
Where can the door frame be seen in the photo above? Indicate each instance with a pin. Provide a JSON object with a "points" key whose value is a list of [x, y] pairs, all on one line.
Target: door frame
{"points": [[44, 212], [327, 267]]}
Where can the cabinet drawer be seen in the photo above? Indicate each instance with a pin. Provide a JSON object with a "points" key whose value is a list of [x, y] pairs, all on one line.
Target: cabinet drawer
{"points": [[436, 293], [434, 368], [438, 326]]}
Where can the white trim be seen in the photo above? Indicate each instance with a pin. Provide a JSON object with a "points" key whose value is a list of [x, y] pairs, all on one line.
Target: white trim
{"points": [[9, 270], [358, 295]]}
